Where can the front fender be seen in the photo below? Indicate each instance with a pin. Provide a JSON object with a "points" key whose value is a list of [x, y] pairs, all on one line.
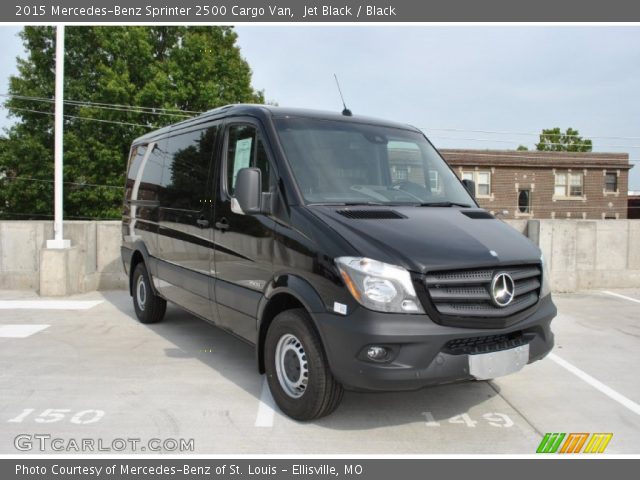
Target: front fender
{"points": [[295, 286]]}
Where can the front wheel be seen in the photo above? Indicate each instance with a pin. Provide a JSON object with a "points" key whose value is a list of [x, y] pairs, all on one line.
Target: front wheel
{"points": [[297, 370]]}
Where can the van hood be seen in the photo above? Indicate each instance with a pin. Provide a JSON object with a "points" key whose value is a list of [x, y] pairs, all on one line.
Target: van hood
{"points": [[429, 238]]}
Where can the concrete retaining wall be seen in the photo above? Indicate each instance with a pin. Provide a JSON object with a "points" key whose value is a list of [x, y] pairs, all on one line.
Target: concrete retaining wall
{"points": [[591, 254], [580, 254], [92, 264]]}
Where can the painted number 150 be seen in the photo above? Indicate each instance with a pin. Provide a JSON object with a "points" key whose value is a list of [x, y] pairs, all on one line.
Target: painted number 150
{"points": [[52, 415]]}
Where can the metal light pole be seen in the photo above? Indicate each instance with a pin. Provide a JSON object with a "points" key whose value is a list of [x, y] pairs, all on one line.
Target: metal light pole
{"points": [[58, 240]]}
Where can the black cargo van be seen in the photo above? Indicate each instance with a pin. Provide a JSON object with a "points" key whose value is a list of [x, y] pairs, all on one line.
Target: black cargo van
{"points": [[344, 248]]}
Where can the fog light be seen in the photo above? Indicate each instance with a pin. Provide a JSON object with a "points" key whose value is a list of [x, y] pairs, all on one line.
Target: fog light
{"points": [[377, 353]]}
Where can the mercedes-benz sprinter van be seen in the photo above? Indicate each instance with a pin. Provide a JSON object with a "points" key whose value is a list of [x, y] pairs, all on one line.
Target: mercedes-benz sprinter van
{"points": [[344, 248]]}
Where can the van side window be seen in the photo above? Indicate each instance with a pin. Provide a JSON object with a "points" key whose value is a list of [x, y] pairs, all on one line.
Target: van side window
{"points": [[246, 149], [135, 161], [152, 173], [185, 172]]}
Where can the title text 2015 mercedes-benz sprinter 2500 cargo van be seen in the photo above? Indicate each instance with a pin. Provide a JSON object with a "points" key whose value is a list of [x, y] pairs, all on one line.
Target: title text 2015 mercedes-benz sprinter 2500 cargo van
{"points": [[344, 248]]}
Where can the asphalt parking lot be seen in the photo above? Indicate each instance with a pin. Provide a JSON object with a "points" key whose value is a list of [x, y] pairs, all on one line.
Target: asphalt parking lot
{"points": [[84, 368]]}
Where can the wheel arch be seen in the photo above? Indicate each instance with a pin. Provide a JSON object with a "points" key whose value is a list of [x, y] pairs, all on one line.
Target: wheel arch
{"points": [[140, 255], [285, 292]]}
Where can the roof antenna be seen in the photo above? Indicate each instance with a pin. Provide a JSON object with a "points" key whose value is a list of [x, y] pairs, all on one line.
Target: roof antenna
{"points": [[346, 112]]}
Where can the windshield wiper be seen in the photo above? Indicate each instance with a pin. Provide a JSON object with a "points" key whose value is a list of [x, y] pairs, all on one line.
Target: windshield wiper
{"points": [[442, 204]]}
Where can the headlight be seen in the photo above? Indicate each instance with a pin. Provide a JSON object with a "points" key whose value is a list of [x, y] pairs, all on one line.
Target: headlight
{"points": [[379, 286], [546, 286]]}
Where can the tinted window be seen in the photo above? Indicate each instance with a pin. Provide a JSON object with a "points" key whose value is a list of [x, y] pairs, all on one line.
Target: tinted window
{"points": [[134, 165], [246, 149], [185, 172], [152, 174]]}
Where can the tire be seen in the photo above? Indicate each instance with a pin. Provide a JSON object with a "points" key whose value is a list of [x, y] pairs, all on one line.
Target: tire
{"points": [[149, 307], [293, 348]]}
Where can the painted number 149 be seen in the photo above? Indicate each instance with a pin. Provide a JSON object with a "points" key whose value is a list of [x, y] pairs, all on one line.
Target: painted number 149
{"points": [[498, 420]]}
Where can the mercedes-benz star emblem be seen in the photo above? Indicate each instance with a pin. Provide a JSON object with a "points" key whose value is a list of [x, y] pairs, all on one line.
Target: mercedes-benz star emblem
{"points": [[502, 289]]}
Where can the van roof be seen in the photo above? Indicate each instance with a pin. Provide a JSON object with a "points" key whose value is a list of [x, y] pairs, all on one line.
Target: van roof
{"points": [[264, 111]]}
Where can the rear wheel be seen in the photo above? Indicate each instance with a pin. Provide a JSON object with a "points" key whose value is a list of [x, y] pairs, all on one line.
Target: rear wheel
{"points": [[149, 307], [297, 370]]}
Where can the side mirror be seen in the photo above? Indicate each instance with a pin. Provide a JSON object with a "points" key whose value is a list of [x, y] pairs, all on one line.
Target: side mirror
{"points": [[248, 192], [470, 185]]}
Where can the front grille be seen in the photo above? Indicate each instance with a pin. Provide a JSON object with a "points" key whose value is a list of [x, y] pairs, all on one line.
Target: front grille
{"points": [[467, 293], [484, 344]]}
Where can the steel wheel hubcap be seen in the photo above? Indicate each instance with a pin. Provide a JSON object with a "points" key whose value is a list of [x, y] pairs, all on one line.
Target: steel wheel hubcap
{"points": [[291, 366], [141, 293]]}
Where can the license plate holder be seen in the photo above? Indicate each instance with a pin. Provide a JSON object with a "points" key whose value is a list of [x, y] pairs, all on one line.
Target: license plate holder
{"points": [[485, 366]]}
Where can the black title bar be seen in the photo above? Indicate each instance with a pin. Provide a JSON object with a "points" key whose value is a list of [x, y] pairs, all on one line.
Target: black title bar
{"points": [[291, 11], [303, 469]]}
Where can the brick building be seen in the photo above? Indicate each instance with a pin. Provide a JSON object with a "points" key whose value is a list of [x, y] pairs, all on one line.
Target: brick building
{"points": [[532, 184]]}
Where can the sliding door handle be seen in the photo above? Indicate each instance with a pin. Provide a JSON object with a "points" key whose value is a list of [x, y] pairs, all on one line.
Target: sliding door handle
{"points": [[222, 224], [202, 222]]}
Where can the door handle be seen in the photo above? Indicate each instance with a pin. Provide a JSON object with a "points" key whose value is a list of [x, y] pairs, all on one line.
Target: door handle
{"points": [[222, 224], [202, 222]]}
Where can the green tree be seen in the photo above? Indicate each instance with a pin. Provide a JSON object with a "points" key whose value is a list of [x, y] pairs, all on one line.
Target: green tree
{"points": [[554, 140], [522, 148], [164, 69]]}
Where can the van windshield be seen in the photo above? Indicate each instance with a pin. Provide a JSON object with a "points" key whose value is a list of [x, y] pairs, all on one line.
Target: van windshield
{"points": [[338, 162]]}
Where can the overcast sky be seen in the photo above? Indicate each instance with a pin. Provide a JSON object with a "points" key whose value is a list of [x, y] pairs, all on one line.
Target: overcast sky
{"points": [[503, 79]]}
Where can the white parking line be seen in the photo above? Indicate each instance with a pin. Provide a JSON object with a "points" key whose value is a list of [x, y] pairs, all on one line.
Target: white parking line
{"points": [[48, 304], [621, 296], [266, 407], [608, 391], [20, 331]]}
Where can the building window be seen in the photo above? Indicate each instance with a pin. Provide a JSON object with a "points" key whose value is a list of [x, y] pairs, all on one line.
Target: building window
{"points": [[524, 202], [561, 185], [575, 184], [569, 185], [611, 182], [483, 184], [482, 179]]}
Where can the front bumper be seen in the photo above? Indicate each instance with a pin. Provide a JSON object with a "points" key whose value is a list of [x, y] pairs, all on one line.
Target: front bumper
{"points": [[420, 355]]}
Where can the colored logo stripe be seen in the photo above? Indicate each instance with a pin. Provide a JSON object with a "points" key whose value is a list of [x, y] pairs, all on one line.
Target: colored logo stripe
{"points": [[550, 443], [574, 443], [598, 442]]}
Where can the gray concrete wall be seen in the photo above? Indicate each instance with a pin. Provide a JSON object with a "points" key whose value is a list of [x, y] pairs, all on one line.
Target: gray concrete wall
{"points": [[94, 262], [591, 254], [580, 254]]}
